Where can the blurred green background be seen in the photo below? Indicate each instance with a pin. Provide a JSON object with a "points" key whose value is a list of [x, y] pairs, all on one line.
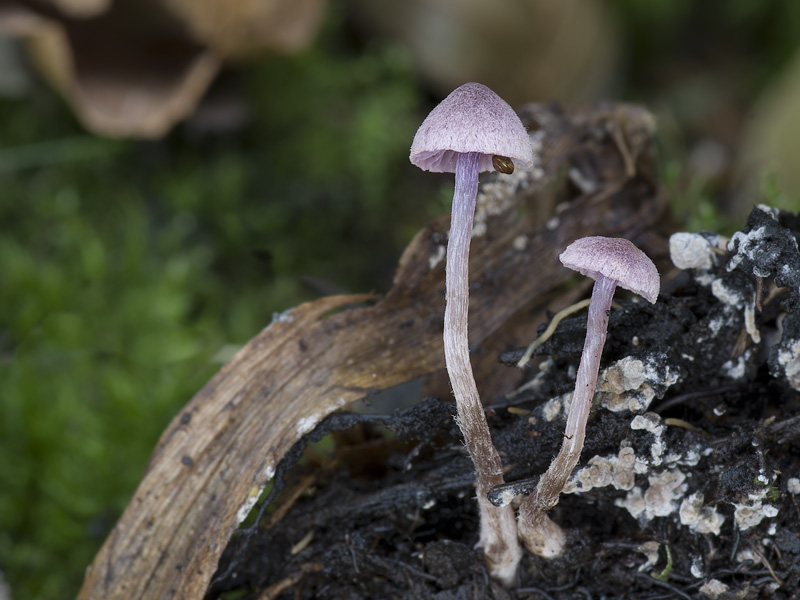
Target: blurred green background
{"points": [[129, 270]]}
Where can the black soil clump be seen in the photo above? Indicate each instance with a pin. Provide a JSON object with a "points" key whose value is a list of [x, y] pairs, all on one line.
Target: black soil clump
{"points": [[688, 486]]}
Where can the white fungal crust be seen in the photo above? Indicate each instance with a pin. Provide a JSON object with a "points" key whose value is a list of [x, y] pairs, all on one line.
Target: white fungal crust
{"points": [[789, 360], [616, 471], [631, 384], [744, 246], [617, 259], [471, 119], [650, 550], [699, 518], [713, 589], [659, 500], [690, 251], [751, 512]]}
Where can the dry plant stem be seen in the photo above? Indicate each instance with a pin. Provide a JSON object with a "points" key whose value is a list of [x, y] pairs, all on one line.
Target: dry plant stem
{"points": [[551, 329], [541, 535], [498, 536]]}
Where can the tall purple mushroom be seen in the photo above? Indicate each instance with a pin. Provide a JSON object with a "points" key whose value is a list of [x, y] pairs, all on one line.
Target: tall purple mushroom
{"points": [[610, 262], [470, 131]]}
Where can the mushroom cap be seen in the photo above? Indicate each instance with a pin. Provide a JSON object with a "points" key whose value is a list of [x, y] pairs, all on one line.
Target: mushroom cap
{"points": [[617, 259], [471, 119]]}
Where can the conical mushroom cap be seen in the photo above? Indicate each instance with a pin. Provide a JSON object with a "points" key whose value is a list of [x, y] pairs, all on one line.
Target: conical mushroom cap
{"points": [[617, 259], [471, 119]]}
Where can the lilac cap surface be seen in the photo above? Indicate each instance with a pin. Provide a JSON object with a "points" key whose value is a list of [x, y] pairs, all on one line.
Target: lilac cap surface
{"points": [[617, 259], [471, 119]]}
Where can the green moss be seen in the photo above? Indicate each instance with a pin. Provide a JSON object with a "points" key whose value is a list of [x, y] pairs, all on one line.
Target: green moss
{"points": [[127, 266]]}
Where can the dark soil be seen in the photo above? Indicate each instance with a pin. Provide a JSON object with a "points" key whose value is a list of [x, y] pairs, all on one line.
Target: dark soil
{"points": [[387, 510]]}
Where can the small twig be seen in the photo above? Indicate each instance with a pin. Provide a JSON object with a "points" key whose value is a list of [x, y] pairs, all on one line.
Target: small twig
{"points": [[504, 493], [673, 422], [774, 292], [741, 344], [302, 544], [765, 562], [352, 554], [277, 588], [759, 292], [735, 545], [557, 318]]}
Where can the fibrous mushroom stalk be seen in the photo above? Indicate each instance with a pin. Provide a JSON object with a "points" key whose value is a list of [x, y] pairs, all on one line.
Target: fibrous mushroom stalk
{"points": [[610, 262], [498, 531], [541, 535], [470, 131]]}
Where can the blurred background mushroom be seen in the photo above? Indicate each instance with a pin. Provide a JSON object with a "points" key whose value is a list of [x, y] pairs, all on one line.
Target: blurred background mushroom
{"points": [[260, 150], [135, 68], [529, 50]]}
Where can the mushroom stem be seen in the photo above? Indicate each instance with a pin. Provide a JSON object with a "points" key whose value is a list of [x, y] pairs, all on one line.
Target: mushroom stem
{"points": [[498, 535], [541, 535], [586, 378]]}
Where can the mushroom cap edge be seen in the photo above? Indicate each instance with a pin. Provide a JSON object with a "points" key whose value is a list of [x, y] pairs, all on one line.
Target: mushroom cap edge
{"points": [[616, 258], [471, 119]]}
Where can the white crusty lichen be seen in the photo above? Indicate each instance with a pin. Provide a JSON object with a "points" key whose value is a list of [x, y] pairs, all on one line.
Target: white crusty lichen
{"points": [[659, 500], [789, 361], [254, 493], [700, 518], [746, 245], [726, 295], [617, 471], [629, 383], [690, 251], [497, 196], [306, 424], [696, 569], [436, 257], [651, 423], [736, 368], [282, 317], [252, 497], [713, 589], [520, 242], [648, 422], [733, 301], [750, 513], [650, 550], [555, 406]]}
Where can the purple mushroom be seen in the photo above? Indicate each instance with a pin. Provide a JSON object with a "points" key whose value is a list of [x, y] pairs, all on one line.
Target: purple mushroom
{"points": [[610, 262], [470, 131]]}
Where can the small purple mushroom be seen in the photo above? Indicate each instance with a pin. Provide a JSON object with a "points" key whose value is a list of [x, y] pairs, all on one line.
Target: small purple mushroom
{"points": [[610, 262], [470, 131]]}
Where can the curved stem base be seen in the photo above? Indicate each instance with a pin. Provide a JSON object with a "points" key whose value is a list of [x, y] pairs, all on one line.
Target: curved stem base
{"points": [[540, 534]]}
